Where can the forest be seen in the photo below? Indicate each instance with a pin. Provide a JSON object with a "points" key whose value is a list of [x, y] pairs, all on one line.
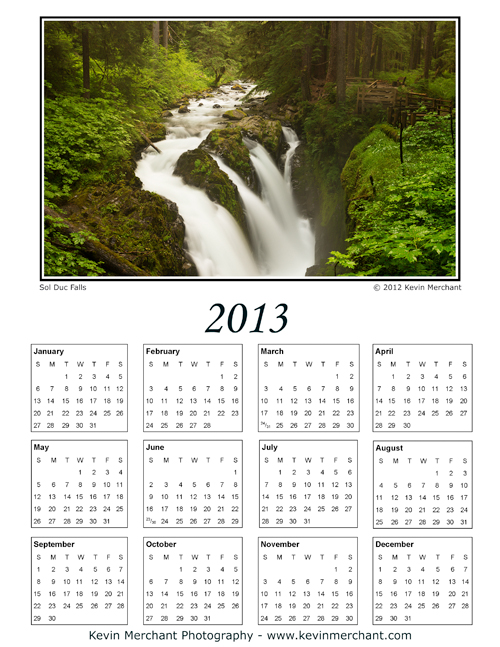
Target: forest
{"points": [[257, 148]]}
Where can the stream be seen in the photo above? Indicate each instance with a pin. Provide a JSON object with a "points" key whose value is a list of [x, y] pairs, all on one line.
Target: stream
{"points": [[282, 241]]}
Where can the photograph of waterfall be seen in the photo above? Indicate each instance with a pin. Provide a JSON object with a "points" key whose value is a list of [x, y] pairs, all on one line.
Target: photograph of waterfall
{"points": [[245, 149]]}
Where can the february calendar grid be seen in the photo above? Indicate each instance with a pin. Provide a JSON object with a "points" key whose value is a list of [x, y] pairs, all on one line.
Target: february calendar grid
{"points": [[185, 467]]}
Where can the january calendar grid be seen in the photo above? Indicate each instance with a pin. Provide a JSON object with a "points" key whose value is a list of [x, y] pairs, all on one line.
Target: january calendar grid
{"points": [[79, 387], [193, 484]]}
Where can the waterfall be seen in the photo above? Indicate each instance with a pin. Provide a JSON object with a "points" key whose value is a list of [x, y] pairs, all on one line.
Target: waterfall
{"points": [[282, 243], [292, 141]]}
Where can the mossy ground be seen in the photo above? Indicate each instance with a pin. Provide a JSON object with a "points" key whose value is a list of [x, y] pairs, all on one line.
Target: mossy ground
{"points": [[140, 226]]}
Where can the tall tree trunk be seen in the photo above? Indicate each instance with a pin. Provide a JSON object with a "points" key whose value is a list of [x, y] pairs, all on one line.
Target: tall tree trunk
{"points": [[331, 73], [305, 73], [341, 61], [367, 49], [418, 45], [351, 47], [378, 64], [428, 48], [412, 53], [156, 32], [86, 63], [165, 37], [357, 62], [318, 70]]}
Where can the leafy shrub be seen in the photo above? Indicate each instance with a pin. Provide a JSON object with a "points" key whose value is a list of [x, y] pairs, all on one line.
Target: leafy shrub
{"points": [[404, 225], [62, 251], [81, 136]]}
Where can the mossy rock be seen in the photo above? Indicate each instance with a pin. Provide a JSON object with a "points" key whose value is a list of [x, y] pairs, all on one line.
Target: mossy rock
{"points": [[234, 115], [228, 145], [267, 132], [198, 169], [142, 227], [237, 87], [155, 131]]}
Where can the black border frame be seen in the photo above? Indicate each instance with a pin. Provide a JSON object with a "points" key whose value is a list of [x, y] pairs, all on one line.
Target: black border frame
{"points": [[197, 279]]}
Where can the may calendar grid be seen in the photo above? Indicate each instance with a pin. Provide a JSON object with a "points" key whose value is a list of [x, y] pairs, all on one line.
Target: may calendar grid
{"points": [[81, 483], [309, 490]]}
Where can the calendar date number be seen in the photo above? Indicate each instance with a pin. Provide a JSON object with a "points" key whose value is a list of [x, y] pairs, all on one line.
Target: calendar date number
{"points": [[238, 315]]}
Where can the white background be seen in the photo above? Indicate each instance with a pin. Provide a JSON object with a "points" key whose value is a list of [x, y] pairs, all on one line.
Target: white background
{"points": [[179, 312]]}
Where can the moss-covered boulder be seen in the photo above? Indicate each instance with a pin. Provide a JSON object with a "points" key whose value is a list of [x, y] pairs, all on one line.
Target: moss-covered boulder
{"points": [[141, 227], [155, 131], [198, 169], [267, 132], [235, 115], [228, 145]]}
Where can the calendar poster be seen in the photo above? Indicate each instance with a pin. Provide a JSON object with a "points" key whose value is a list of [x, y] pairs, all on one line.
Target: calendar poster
{"points": [[248, 438]]}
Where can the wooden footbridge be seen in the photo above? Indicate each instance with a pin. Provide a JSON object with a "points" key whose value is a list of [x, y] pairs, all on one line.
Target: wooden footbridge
{"points": [[407, 108]]}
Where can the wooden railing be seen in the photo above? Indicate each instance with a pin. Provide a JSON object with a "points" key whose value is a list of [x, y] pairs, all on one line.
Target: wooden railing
{"points": [[408, 108]]}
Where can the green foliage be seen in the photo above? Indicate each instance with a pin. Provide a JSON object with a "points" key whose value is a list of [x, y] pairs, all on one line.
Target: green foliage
{"points": [[405, 222], [164, 81], [62, 251], [212, 45], [273, 52], [131, 81], [62, 62], [82, 137], [440, 86]]}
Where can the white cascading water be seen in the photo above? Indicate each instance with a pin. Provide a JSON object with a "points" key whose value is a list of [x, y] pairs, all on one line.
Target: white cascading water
{"points": [[282, 241]]}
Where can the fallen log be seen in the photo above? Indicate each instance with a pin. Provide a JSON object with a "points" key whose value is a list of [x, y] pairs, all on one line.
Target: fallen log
{"points": [[96, 251], [150, 143]]}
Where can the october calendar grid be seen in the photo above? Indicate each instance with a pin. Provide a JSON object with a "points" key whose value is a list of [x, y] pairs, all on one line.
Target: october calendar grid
{"points": [[207, 456]]}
